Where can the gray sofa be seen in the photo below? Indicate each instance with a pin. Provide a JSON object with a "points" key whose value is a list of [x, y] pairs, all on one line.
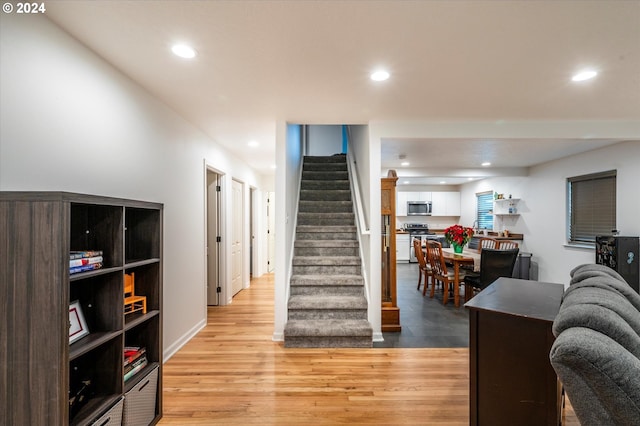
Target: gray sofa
{"points": [[596, 354]]}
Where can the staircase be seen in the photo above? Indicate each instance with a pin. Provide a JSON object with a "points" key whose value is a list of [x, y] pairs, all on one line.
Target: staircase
{"points": [[327, 305]]}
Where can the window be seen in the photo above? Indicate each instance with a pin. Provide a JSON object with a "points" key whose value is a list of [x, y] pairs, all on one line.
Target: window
{"points": [[484, 212], [592, 206]]}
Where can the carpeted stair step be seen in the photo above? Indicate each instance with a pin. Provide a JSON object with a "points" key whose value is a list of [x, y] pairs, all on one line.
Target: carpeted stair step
{"points": [[325, 167], [325, 175], [328, 334], [312, 307], [325, 185], [330, 194], [336, 158], [310, 232], [327, 265], [320, 219], [326, 248], [308, 206], [352, 285]]}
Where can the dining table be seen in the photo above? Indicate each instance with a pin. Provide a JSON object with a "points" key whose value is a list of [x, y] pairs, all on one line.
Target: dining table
{"points": [[467, 257]]}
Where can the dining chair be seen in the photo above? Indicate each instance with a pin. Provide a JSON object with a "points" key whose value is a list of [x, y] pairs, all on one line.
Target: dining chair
{"points": [[507, 245], [441, 273], [487, 242], [494, 263], [424, 268]]}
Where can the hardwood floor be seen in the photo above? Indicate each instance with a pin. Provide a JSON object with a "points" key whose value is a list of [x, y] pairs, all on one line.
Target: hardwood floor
{"points": [[232, 373]]}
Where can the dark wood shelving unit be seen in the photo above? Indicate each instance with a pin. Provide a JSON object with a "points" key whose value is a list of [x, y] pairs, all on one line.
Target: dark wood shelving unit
{"points": [[38, 230]]}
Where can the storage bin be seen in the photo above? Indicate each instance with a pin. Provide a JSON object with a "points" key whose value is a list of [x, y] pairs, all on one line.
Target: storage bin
{"points": [[522, 266], [113, 417], [140, 401]]}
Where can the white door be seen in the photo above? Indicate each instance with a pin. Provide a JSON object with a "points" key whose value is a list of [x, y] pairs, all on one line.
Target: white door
{"points": [[271, 226], [236, 236], [213, 232]]}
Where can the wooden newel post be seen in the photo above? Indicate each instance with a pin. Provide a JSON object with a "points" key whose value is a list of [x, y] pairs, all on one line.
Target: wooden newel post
{"points": [[390, 310]]}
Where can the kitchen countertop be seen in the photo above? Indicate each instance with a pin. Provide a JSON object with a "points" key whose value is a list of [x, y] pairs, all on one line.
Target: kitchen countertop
{"points": [[491, 234]]}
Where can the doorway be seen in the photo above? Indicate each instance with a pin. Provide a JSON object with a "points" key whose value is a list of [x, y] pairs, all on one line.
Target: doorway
{"points": [[237, 235], [213, 250], [271, 226]]}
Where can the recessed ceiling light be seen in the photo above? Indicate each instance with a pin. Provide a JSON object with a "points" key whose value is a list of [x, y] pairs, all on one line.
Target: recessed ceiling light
{"points": [[443, 181], [584, 75], [273, 166], [469, 178], [406, 182], [486, 163], [380, 75], [405, 163], [253, 143], [184, 51]]}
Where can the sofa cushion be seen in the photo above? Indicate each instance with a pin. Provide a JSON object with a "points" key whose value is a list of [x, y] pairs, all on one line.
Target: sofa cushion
{"points": [[618, 321], [592, 270], [599, 375], [607, 283]]}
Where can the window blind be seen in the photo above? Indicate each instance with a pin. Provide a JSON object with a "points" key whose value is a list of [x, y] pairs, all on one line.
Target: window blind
{"points": [[484, 213], [592, 206]]}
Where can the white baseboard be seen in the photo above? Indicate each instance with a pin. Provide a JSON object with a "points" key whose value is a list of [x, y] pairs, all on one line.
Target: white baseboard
{"points": [[377, 337], [178, 344], [278, 337]]}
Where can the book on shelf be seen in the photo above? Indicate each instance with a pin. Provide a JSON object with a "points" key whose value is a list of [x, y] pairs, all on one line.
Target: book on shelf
{"points": [[132, 355], [73, 263], [85, 268], [80, 254], [136, 367]]}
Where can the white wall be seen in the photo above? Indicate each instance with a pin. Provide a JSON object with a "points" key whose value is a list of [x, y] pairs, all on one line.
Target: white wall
{"points": [[360, 153], [289, 156], [71, 122], [324, 139], [543, 206]]}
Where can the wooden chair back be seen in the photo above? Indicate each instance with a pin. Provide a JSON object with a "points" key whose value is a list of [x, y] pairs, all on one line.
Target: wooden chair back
{"points": [[417, 248], [438, 266], [487, 242], [507, 245], [129, 287]]}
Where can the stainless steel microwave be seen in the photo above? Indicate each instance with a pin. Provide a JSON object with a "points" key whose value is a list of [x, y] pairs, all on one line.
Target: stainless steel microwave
{"points": [[418, 208]]}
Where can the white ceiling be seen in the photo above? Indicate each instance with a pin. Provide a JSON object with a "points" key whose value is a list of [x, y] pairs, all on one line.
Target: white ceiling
{"points": [[309, 62]]}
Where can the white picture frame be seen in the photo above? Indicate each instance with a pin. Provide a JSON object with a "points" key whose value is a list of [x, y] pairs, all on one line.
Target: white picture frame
{"points": [[77, 325]]}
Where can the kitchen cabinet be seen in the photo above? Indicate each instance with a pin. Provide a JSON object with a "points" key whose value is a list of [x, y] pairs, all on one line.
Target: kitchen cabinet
{"points": [[445, 203], [401, 203], [402, 248], [422, 196], [403, 196]]}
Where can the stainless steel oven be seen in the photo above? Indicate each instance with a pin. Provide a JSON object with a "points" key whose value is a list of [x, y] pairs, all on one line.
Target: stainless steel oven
{"points": [[417, 230]]}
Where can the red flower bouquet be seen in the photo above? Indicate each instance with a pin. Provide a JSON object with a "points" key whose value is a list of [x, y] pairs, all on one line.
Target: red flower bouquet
{"points": [[458, 234]]}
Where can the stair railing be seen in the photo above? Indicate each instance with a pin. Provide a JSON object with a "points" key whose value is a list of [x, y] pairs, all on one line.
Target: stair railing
{"points": [[363, 227], [361, 223]]}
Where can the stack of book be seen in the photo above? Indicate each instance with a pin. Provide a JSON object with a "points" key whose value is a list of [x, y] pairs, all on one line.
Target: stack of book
{"points": [[82, 261], [135, 359]]}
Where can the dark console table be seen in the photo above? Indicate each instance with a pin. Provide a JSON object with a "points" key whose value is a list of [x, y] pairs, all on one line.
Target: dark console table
{"points": [[511, 379]]}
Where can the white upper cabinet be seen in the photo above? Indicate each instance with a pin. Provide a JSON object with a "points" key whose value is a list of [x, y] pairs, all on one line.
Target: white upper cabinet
{"points": [[401, 203], [445, 203]]}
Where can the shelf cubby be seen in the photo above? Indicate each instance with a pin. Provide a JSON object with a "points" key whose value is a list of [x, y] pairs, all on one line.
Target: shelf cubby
{"points": [[142, 234], [103, 366], [97, 227]]}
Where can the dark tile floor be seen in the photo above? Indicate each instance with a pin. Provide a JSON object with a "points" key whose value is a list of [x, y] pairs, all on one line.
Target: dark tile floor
{"points": [[426, 322]]}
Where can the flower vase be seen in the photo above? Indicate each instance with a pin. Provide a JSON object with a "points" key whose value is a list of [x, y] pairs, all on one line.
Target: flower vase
{"points": [[457, 248]]}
